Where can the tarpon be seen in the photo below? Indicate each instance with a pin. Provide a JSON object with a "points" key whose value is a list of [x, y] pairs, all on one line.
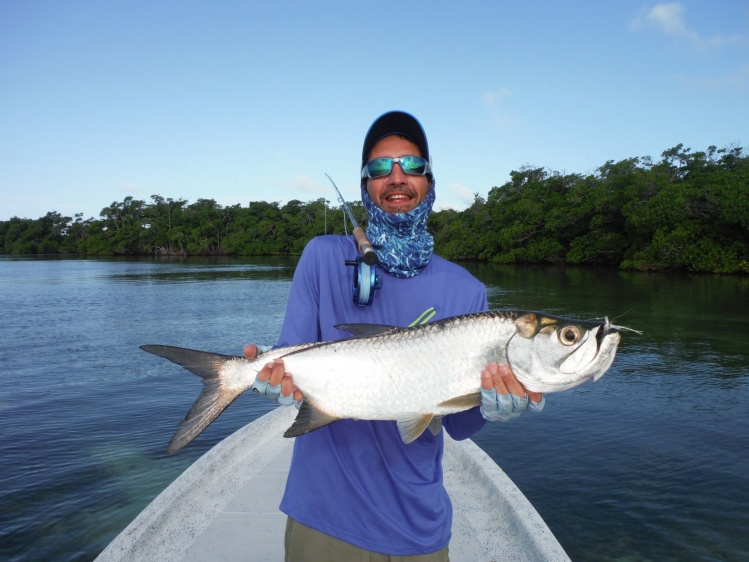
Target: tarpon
{"points": [[410, 375]]}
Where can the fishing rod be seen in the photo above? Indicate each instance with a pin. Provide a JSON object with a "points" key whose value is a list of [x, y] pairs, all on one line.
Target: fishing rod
{"points": [[366, 278], [362, 242]]}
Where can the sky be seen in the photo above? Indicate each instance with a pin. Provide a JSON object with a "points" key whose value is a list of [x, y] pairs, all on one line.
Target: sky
{"points": [[242, 101]]}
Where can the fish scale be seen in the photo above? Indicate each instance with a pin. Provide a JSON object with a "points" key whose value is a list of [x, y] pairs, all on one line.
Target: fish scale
{"points": [[409, 375], [394, 365]]}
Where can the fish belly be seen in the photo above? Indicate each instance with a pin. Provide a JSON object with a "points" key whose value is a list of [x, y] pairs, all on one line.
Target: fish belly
{"points": [[392, 376]]}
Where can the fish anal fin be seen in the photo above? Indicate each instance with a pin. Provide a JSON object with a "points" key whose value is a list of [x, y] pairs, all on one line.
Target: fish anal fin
{"points": [[465, 402], [309, 419], [411, 428]]}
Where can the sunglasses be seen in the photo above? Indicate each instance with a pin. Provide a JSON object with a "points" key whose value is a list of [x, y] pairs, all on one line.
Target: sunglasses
{"points": [[379, 167]]}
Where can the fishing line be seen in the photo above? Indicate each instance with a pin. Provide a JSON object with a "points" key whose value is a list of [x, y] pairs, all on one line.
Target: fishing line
{"points": [[366, 279]]}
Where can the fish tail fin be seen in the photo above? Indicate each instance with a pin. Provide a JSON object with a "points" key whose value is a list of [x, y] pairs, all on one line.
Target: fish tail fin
{"points": [[214, 398]]}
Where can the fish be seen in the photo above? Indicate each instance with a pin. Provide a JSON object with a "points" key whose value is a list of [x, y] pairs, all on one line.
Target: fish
{"points": [[410, 375]]}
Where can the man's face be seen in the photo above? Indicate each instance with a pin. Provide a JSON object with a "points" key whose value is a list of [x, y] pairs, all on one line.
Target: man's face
{"points": [[397, 192]]}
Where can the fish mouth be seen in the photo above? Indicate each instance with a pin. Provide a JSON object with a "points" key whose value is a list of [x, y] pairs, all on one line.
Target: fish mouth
{"points": [[592, 357], [604, 329], [607, 339]]}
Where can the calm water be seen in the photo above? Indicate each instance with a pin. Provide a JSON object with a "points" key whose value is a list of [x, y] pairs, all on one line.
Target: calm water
{"points": [[649, 463]]}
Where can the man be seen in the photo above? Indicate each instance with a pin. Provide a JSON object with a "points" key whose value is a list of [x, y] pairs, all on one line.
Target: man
{"points": [[354, 488]]}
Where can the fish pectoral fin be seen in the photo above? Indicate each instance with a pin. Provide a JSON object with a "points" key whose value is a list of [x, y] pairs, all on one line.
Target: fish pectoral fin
{"points": [[411, 429], [365, 330], [309, 419], [466, 401]]}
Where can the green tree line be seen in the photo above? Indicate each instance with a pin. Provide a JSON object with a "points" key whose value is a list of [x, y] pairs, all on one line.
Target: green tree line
{"points": [[687, 211]]}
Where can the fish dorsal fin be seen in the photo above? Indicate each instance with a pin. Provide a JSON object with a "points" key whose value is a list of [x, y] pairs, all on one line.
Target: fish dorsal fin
{"points": [[365, 330], [466, 401], [411, 428], [309, 419]]}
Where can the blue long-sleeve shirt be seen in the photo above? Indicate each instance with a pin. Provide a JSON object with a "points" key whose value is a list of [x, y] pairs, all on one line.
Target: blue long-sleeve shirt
{"points": [[356, 480]]}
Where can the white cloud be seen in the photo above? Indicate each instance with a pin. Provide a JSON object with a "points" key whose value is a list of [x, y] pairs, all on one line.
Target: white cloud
{"points": [[491, 98], [306, 187], [461, 192], [736, 81], [455, 196], [668, 18], [494, 106]]}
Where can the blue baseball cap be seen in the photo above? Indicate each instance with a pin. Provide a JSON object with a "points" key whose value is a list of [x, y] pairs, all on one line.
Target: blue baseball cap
{"points": [[395, 123]]}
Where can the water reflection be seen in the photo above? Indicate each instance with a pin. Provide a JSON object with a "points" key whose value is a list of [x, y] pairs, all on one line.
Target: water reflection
{"points": [[648, 463]]}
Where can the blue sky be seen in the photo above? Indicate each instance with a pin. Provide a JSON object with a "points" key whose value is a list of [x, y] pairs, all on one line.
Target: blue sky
{"points": [[245, 101]]}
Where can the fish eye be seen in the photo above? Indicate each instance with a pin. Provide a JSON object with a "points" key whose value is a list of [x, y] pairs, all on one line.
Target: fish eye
{"points": [[569, 335]]}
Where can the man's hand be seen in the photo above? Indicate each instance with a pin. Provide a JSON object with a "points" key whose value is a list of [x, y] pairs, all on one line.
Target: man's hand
{"points": [[503, 396], [273, 381]]}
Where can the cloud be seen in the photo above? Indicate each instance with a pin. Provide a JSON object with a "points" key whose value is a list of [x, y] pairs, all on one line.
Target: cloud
{"points": [[736, 81], [493, 103], [307, 186], [461, 192], [666, 17], [492, 98], [669, 19], [455, 196]]}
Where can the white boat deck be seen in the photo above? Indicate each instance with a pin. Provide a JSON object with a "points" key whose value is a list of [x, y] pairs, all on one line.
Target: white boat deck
{"points": [[225, 506]]}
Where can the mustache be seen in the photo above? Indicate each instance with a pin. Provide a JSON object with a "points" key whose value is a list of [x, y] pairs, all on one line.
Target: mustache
{"points": [[404, 190]]}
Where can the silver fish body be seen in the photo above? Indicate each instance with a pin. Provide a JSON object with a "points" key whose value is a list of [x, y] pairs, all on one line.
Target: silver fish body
{"points": [[410, 375]]}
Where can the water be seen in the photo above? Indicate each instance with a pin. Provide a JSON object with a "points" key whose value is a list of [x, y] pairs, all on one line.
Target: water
{"points": [[649, 463]]}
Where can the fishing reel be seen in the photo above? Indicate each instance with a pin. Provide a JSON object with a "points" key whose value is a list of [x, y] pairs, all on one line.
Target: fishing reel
{"points": [[366, 281], [366, 278]]}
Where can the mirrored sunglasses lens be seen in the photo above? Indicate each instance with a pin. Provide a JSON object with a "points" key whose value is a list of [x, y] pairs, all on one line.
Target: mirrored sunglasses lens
{"points": [[413, 165], [380, 167]]}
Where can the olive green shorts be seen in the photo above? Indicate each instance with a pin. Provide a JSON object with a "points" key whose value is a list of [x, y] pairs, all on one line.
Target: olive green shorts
{"points": [[304, 544]]}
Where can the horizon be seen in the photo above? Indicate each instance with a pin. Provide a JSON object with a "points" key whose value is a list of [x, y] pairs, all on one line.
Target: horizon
{"points": [[237, 102]]}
